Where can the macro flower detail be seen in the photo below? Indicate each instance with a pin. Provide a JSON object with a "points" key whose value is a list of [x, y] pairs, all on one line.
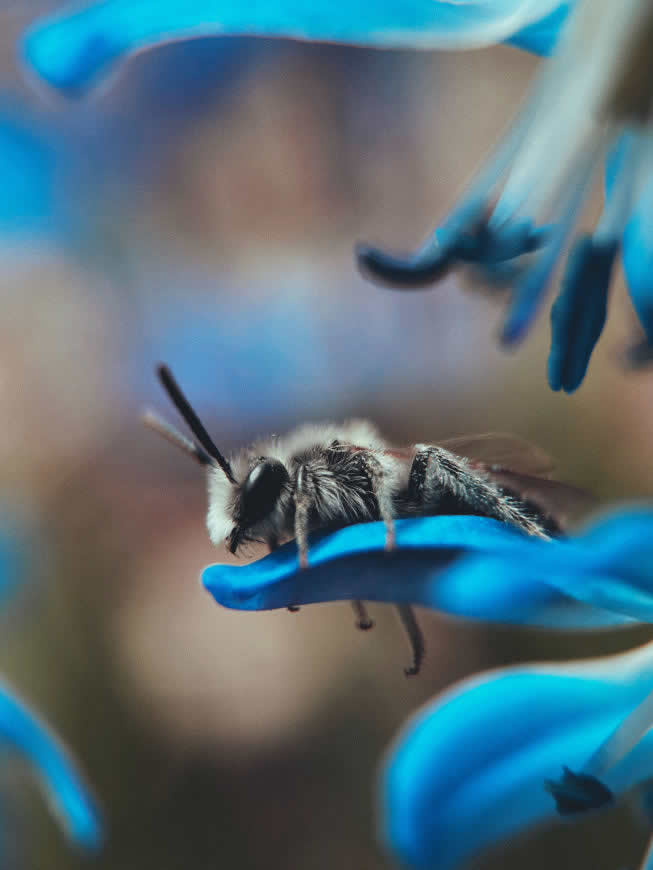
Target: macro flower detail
{"points": [[467, 566], [27, 735], [596, 88], [76, 48], [519, 214], [578, 792], [478, 765]]}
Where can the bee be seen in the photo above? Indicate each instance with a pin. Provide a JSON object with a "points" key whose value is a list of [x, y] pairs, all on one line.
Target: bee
{"points": [[326, 476]]}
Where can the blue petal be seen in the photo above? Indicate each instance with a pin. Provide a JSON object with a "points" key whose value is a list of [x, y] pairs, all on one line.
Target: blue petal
{"points": [[637, 242], [529, 292], [504, 576], [469, 770], [74, 49], [542, 36], [578, 314], [638, 258], [28, 171], [68, 794]]}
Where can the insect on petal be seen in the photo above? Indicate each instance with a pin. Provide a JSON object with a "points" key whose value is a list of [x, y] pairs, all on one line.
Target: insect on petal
{"points": [[469, 566]]}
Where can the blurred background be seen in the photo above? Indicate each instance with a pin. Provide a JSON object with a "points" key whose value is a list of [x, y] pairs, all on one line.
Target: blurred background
{"points": [[202, 211]]}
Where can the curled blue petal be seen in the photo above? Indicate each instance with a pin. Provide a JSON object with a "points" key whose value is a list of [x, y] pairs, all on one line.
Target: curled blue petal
{"points": [[471, 567], [470, 769], [578, 314], [487, 247], [68, 795], [75, 49]]}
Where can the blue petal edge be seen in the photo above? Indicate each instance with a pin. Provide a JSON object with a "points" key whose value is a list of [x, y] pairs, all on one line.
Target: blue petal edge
{"points": [[68, 794], [466, 566], [76, 48], [469, 770]]}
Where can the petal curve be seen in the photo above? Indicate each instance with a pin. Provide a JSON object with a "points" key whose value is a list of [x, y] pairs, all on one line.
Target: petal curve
{"points": [[76, 48], [468, 771], [472, 567], [68, 795]]}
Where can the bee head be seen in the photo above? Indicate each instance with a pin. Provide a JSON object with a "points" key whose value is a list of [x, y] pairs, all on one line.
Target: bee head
{"points": [[249, 508], [257, 498]]}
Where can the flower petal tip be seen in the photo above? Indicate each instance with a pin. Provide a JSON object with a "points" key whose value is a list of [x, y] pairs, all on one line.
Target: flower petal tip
{"points": [[67, 57], [407, 272]]}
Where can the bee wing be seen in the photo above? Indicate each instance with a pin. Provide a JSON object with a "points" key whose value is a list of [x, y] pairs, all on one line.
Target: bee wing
{"points": [[496, 451], [564, 503]]}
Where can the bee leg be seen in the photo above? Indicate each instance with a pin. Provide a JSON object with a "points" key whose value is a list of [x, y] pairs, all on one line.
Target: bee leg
{"points": [[415, 638], [436, 473], [363, 621], [383, 496], [273, 543], [302, 504]]}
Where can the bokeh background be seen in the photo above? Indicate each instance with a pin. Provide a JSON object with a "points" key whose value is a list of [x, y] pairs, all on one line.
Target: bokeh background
{"points": [[202, 211]]}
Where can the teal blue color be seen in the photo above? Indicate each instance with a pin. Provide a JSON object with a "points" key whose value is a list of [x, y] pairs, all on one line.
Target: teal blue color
{"points": [[578, 315], [76, 48], [24, 733], [472, 567], [469, 770]]}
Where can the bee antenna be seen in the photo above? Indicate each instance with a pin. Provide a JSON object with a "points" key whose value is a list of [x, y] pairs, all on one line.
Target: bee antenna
{"points": [[152, 420], [182, 404]]}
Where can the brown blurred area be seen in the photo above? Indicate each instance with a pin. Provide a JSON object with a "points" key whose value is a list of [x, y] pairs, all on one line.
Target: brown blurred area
{"points": [[215, 738]]}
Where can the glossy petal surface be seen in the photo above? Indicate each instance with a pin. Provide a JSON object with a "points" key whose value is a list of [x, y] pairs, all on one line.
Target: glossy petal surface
{"points": [[469, 770], [472, 567], [25, 733], [76, 48]]}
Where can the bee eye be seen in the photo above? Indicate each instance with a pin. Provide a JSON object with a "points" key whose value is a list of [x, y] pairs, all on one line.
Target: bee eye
{"points": [[261, 490]]}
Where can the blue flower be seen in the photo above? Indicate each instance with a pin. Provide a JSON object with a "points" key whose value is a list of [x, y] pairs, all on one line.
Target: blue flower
{"points": [[472, 567], [518, 215], [514, 748], [24, 733], [75, 49], [520, 212]]}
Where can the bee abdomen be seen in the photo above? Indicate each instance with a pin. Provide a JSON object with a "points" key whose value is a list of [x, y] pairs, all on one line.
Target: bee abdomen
{"points": [[441, 482]]}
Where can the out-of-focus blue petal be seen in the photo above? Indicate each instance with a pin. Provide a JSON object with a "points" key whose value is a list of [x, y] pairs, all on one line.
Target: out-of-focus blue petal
{"points": [[541, 37], [76, 48], [578, 314], [469, 770], [471, 567], [28, 172], [69, 796], [637, 253], [637, 241]]}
